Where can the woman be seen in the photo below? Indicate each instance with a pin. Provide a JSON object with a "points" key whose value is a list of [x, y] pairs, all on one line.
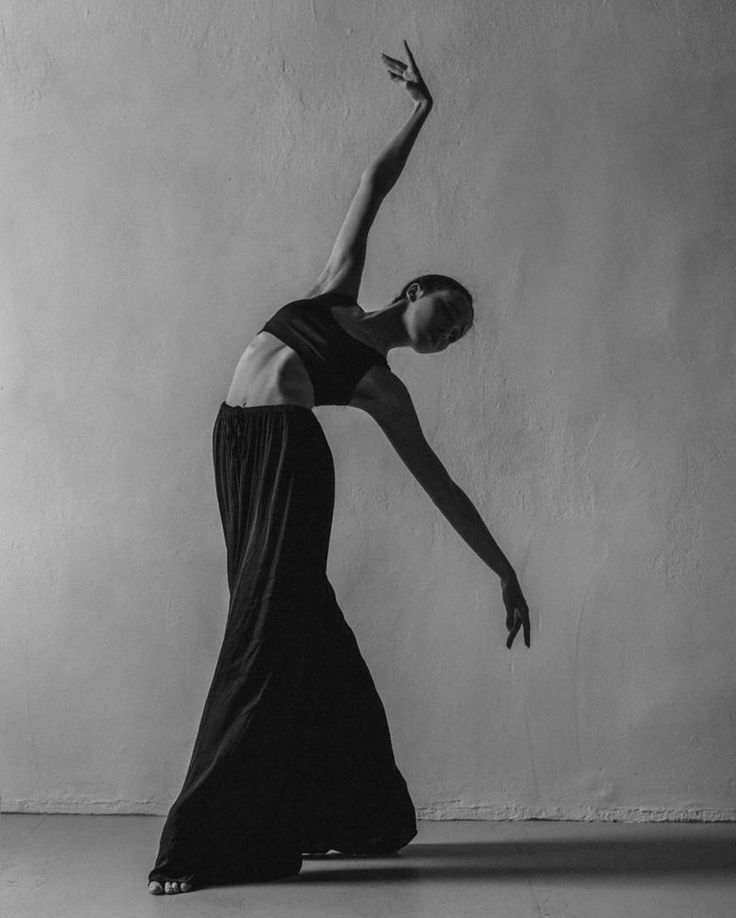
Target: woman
{"points": [[293, 754]]}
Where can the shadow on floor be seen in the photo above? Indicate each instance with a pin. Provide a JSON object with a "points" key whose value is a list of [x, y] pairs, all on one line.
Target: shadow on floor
{"points": [[564, 858]]}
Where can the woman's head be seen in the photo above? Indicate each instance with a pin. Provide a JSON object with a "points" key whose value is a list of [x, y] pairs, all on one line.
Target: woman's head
{"points": [[439, 310]]}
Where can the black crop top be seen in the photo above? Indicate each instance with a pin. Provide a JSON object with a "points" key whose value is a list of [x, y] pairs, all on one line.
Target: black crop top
{"points": [[334, 360]]}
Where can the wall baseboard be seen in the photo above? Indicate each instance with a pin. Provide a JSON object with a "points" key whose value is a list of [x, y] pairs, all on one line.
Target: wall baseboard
{"points": [[502, 812]]}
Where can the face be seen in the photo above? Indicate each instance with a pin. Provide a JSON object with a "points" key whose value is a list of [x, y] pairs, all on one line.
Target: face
{"points": [[436, 319]]}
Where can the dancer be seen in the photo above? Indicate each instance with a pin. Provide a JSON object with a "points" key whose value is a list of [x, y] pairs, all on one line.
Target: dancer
{"points": [[293, 753]]}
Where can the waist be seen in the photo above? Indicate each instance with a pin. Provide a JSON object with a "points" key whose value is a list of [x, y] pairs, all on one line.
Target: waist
{"points": [[275, 408], [269, 373]]}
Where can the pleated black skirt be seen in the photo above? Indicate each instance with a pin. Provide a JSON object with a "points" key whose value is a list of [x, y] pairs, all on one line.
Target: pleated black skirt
{"points": [[293, 753]]}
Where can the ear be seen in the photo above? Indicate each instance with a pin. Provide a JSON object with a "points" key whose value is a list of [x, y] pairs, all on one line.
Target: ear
{"points": [[413, 292]]}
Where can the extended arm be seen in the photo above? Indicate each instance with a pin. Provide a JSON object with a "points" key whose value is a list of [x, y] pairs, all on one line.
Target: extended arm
{"points": [[388, 165], [395, 414], [393, 410], [344, 267]]}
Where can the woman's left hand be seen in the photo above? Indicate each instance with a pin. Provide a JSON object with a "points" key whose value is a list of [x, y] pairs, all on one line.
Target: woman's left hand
{"points": [[517, 610], [410, 75]]}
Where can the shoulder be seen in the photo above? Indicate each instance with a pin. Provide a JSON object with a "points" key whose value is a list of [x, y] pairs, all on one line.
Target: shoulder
{"points": [[329, 296], [334, 283], [384, 396], [387, 400]]}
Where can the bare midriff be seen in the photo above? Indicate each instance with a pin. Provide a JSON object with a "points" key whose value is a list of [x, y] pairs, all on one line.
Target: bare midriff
{"points": [[270, 373]]}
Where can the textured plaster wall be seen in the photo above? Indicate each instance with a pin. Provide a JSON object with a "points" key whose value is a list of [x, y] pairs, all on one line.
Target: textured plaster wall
{"points": [[174, 171]]}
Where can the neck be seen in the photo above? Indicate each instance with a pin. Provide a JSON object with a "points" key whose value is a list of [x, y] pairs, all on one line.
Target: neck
{"points": [[384, 326]]}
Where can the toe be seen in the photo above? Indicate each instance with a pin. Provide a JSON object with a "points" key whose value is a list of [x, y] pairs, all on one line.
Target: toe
{"points": [[168, 887], [185, 887], [156, 888]]}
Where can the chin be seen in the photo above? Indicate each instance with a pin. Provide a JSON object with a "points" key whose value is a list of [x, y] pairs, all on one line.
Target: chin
{"points": [[425, 345]]}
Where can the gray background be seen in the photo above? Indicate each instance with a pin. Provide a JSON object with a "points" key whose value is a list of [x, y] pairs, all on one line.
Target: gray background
{"points": [[172, 172]]}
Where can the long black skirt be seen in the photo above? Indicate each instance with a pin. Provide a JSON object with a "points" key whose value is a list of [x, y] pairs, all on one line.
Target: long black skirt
{"points": [[293, 753]]}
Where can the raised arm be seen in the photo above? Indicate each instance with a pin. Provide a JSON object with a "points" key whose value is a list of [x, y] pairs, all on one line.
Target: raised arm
{"points": [[393, 410], [344, 267]]}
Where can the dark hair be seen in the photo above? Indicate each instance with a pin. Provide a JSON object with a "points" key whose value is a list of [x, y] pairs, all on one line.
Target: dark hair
{"points": [[431, 282]]}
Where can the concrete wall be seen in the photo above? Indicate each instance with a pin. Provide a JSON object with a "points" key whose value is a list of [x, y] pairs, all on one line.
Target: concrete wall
{"points": [[174, 171]]}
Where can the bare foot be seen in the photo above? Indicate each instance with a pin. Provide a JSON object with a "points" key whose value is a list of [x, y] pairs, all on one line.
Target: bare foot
{"points": [[169, 888]]}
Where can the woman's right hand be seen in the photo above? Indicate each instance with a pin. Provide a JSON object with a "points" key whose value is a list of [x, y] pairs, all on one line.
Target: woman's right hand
{"points": [[410, 75], [517, 610]]}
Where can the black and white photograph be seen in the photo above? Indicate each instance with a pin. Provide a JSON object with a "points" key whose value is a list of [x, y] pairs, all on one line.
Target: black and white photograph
{"points": [[368, 458]]}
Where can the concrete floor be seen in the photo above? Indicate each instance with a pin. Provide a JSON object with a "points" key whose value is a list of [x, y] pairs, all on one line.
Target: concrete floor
{"points": [[54, 865]]}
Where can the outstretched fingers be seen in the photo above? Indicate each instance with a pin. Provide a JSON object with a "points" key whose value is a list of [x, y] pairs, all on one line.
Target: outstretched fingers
{"points": [[393, 64], [410, 55], [409, 75]]}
